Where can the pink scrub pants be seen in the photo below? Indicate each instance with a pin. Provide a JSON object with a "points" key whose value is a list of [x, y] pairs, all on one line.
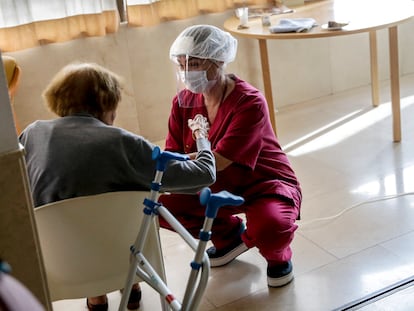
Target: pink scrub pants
{"points": [[270, 223]]}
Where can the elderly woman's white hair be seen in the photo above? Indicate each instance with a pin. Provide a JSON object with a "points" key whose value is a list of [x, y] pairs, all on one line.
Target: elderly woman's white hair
{"points": [[205, 42]]}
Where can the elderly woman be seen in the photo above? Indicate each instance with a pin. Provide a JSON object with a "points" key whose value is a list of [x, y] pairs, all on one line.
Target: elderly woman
{"points": [[81, 152], [249, 159]]}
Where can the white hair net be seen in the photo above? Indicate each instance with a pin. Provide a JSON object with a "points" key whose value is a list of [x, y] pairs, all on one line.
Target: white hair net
{"points": [[206, 42]]}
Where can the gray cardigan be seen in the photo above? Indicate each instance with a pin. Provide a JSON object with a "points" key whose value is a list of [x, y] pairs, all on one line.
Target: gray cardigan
{"points": [[80, 155]]}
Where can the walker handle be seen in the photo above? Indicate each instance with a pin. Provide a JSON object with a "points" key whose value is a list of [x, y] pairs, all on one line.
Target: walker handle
{"points": [[162, 157], [214, 201]]}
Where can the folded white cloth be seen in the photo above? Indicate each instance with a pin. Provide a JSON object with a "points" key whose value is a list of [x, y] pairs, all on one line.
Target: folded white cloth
{"points": [[293, 25]]}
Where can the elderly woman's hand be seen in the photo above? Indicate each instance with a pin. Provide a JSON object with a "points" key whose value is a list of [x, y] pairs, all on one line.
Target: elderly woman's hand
{"points": [[199, 125]]}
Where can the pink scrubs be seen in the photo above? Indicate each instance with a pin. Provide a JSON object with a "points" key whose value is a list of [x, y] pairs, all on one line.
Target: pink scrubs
{"points": [[260, 173]]}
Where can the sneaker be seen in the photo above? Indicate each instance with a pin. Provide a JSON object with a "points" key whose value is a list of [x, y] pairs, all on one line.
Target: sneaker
{"points": [[221, 257], [280, 275]]}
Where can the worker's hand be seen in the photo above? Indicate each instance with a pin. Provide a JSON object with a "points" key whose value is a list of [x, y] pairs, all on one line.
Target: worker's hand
{"points": [[199, 125]]}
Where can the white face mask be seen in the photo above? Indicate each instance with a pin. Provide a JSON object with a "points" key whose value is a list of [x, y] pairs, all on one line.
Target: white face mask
{"points": [[196, 81]]}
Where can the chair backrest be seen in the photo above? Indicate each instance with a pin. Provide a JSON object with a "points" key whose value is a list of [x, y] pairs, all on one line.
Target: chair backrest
{"points": [[86, 242]]}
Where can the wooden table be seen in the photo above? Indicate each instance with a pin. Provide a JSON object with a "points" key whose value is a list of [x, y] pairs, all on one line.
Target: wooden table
{"points": [[364, 16]]}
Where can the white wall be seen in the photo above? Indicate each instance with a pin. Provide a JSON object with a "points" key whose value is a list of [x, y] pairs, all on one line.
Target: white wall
{"points": [[300, 69], [305, 69]]}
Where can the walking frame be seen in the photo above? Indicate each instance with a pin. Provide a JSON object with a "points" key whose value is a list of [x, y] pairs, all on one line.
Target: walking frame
{"points": [[200, 266]]}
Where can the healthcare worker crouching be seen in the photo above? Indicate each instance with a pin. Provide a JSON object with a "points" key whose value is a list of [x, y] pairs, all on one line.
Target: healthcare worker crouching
{"points": [[249, 158]]}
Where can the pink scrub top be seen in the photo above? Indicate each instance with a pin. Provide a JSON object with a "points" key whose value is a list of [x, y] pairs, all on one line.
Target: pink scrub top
{"points": [[242, 132]]}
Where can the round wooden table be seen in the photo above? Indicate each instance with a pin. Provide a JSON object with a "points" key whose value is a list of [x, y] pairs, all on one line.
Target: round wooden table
{"points": [[364, 16]]}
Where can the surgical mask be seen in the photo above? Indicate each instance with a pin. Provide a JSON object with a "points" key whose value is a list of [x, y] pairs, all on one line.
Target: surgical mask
{"points": [[196, 81]]}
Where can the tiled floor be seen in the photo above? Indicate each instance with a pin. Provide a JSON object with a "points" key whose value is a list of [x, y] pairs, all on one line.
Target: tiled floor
{"points": [[356, 235]]}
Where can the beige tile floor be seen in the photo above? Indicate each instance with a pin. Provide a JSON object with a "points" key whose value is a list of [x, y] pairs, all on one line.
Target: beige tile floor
{"points": [[356, 235]]}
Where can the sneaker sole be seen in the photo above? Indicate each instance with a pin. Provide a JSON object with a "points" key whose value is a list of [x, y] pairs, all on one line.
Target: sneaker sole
{"points": [[279, 282], [229, 257]]}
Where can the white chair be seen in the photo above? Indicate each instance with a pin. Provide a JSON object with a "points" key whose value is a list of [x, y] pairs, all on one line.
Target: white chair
{"points": [[85, 243]]}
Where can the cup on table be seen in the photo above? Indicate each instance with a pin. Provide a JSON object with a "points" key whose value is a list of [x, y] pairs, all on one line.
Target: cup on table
{"points": [[266, 19], [243, 15]]}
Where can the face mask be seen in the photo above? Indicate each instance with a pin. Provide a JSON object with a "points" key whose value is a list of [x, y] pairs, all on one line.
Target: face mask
{"points": [[196, 81]]}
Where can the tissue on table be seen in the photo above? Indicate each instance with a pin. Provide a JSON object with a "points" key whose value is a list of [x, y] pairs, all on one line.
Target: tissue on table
{"points": [[293, 25]]}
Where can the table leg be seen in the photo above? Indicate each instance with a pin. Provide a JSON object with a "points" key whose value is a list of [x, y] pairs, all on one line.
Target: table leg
{"points": [[395, 82], [264, 58], [374, 68]]}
